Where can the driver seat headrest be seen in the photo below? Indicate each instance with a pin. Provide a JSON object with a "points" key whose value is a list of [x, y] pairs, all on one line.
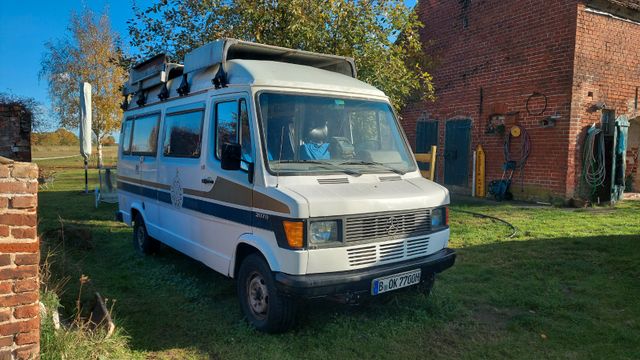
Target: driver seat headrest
{"points": [[318, 134]]}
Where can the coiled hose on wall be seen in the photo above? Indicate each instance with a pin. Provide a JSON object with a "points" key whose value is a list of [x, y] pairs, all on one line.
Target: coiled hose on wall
{"points": [[519, 159], [593, 160]]}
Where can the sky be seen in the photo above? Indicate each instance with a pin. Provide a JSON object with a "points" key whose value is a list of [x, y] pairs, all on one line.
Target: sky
{"points": [[25, 26]]}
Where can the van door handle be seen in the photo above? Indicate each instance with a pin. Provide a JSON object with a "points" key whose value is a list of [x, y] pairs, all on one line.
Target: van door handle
{"points": [[208, 181]]}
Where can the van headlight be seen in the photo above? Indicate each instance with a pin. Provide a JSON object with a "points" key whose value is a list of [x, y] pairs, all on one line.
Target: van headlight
{"points": [[321, 232], [439, 217]]}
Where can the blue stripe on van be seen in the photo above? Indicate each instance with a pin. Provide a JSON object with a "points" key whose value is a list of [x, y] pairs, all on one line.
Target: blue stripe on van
{"points": [[246, 217], [165, 197]]}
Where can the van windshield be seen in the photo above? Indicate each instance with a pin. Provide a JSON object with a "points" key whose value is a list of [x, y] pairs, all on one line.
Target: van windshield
{"points": [[320, 134]]}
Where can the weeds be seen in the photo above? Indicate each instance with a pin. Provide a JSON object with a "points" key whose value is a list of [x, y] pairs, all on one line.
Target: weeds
{"points": [[77, 336]]}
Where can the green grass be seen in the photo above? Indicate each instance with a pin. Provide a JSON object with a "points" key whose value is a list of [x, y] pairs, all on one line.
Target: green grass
{"points": [[567, 286], [69, 156]]}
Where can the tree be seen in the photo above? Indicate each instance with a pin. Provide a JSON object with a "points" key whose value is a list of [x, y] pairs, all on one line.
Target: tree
{"points": [[382, 35], [92, 54], [59, 137], [109, 141]]}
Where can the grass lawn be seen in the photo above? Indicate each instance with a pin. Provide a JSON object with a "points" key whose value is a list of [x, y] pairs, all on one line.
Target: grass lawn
{"points": [[567, 286], [64, 157]]}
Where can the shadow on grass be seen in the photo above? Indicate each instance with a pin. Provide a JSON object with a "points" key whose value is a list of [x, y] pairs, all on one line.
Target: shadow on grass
{"points": [[567, 296]]}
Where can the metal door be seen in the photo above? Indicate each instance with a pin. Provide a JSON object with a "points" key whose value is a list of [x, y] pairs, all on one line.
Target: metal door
{"points": [[456, 152], [426, 136]]}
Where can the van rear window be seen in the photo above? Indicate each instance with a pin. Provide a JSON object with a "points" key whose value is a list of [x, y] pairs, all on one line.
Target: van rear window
{"points": [[183, 134], [145, 135]]}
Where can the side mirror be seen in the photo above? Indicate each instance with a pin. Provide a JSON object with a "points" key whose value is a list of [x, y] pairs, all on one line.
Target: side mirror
{"points": [[231, 156]]}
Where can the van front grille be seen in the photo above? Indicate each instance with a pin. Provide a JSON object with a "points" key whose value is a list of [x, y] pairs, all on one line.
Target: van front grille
{"points": [[390, 225], [362, 255], [389, 252]]}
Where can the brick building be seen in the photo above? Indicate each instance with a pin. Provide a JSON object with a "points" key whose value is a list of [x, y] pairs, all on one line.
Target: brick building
{"points": [[550, 67], [15, 132]]}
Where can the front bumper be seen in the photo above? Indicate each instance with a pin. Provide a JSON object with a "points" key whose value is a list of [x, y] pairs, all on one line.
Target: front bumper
{"points": [[358, 282]]}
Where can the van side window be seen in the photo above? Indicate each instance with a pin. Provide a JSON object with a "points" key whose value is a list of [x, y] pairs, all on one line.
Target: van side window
{"points": [[183, 134], [226, 124], [245, 134], [145, 135], [125, 136]]}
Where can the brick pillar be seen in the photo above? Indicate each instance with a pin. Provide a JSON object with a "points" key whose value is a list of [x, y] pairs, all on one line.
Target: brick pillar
{"points": [[19, 258]]}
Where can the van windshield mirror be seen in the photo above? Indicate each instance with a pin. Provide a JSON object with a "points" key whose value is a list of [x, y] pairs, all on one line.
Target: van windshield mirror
{"points": [[354, 136]]}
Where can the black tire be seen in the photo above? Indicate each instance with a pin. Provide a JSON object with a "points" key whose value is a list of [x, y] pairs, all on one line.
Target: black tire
{"points": [[142, 242], [426, 285], [265, 308]]}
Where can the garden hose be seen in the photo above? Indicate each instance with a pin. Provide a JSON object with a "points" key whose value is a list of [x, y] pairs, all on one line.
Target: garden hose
{"points": [[525, 148], [593, 160], [522, 155], [484, 216]]}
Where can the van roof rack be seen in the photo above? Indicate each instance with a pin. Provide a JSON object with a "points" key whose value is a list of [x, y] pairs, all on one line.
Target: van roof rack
{"points": [[151, 73], [222, 50], [158, 70]]}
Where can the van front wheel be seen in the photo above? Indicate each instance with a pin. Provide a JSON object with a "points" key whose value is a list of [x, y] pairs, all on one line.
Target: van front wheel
{"points": [[264, 307], [142, 242]]}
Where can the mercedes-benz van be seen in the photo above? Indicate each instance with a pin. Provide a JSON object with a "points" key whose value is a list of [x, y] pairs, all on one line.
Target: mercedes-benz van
{"points": [[278, 168]]}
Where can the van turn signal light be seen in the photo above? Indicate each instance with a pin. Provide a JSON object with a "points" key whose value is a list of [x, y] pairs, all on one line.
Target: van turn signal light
{"points": [[294, 232]]}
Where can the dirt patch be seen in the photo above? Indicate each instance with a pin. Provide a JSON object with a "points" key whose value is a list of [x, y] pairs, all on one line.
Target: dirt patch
{"points": [[494, 318]]}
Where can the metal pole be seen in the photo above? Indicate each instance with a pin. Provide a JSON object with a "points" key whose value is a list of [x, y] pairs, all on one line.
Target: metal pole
{"points": [[473, 186], [86, 178]]}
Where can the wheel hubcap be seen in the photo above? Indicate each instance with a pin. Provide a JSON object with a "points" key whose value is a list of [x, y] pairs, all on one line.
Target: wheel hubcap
{"points": [[258, 295]]}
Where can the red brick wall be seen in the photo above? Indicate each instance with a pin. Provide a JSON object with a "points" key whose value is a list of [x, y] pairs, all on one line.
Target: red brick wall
{"points": [[510, 49], [15, 132], [19, 258], [607, 64]]}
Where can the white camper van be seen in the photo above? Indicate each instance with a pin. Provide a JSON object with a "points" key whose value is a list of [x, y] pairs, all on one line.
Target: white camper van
{"points": [[278, 168]]}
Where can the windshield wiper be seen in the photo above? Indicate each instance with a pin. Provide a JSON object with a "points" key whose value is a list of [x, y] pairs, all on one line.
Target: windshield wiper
{"points": [[361, 162], [325, 163]]}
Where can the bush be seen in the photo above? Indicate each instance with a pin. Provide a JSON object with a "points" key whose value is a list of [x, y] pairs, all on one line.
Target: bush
{"points": [[61, 136], [109, 141]]}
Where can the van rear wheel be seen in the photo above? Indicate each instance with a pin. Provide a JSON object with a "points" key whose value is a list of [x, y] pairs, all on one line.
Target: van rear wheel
{"points": [[265, 308], [142, 242]]}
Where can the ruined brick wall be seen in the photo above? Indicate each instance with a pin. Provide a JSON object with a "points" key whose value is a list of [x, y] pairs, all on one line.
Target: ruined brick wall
{"points": [[509, 49], [15, 132], [607, 70], [19, 258]]}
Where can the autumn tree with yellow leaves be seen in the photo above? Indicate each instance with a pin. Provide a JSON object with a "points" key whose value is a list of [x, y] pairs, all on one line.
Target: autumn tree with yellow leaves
{"points": [[90, 53]]}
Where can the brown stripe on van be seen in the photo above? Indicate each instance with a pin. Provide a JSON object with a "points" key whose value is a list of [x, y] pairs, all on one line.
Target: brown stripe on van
{"points": [[143, 182], [265, 202], [227, 191], [234, 193]]}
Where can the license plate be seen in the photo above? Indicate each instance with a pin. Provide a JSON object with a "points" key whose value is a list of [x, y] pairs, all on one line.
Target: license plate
{"points": [[394, 282]]}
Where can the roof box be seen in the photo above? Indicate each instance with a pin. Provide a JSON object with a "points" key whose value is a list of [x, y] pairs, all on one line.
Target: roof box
{"points": [[220, 51]]}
